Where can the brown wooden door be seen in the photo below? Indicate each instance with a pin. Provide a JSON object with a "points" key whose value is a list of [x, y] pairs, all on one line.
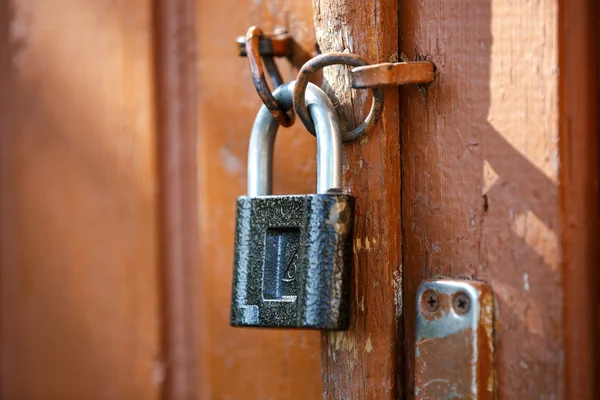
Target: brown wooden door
{"points": [[124, 128], [79, 227], [234, 362]]}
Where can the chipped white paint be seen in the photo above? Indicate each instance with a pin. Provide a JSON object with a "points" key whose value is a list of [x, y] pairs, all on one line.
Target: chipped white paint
{"points": [[369, 345], [397, 283], [367, 244], [357, 244]]}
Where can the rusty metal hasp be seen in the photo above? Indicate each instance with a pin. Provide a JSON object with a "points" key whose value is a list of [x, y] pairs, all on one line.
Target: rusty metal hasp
{"points": [[392, 74], [454, 349]]}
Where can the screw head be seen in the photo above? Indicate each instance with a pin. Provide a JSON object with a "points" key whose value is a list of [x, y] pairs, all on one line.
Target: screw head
{"points": [[461, 303], [430, 301]]}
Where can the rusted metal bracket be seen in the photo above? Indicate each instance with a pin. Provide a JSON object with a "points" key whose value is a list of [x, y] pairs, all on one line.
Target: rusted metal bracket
{"points": [[262, 48], [270, 45], [454, 349], [392, 74]]}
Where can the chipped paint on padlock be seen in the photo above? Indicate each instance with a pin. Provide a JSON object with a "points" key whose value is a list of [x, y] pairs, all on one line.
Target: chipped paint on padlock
{"points": [[454, 350]]}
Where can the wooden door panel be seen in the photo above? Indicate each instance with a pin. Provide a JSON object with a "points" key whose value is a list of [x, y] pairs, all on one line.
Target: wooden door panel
{"points": [[236, 362], [124, 130], [364, 362], [579, 97], [80, 316], [482, 179]]}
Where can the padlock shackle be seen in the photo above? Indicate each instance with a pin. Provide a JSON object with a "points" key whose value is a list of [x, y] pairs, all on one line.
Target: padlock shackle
{"points": [[329, 142]]}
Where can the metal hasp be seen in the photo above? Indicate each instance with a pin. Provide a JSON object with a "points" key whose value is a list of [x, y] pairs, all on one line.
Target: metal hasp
{"points": [[256, 59], [271, 45], [392, 74], [454, 349]]}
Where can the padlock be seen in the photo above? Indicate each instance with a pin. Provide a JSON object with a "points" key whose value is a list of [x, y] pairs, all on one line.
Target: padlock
{"points": [[293, 253]]}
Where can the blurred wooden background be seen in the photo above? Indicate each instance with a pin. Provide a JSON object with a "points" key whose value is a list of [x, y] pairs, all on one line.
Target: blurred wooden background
{"points": [[123, 136]]}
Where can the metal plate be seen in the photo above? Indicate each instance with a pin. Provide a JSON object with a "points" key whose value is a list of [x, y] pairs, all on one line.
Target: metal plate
{"points": [[454, 351]]}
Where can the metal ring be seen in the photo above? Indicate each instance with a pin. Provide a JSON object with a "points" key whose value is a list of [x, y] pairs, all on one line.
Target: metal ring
{"points": [[324, 60], [258, 77]]}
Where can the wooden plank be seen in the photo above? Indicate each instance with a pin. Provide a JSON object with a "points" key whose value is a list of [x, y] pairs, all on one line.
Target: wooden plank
{"points": [[176, 63], [481, 173], [236, 363], [79, 305], [362, 362], [579, 91]]}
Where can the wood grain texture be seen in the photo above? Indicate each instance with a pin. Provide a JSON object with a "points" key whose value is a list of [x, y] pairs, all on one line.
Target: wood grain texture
{"points": [[362, 362], [237, 363], [176, 63], [480, 175], [579, 89], [79, 265]]}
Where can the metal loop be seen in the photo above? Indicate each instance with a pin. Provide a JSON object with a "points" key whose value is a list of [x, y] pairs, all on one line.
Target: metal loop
{"points": [[329, 142], [324, 60], [258, 77]]}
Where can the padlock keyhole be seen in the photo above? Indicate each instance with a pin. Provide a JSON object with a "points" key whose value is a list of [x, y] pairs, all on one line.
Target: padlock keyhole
{"points": [[280, 266]]}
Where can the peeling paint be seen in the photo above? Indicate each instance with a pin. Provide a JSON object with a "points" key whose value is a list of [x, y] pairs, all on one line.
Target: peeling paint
{"points": [[397, 284], [343, 341], [369, 345], [340, 217], [358, 244]]}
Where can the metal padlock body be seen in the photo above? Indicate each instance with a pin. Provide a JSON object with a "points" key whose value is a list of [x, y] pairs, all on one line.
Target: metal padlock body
{"points": [[292, 261], [293, 253]]}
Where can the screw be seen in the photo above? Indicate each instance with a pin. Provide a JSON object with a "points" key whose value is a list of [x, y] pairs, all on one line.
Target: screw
{"points": [[462, 304], [430, 301]]}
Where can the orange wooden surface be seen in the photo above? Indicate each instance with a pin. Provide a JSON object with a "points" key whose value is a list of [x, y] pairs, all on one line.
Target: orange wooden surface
{"points": [[237, 363], [579, 90], [363, 362], [80, 312], [176, 65], [124, 128], [480, 163]]}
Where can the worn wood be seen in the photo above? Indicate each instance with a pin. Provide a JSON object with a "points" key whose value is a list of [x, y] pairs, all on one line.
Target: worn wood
{"points": [[79, 265], [579, 90], [481, 173], [237, 363], [176, 109], [362, 362]]}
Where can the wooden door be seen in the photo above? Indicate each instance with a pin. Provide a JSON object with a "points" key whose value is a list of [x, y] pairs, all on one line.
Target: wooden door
{"points": [[124, 128], [235, 362], [79, 229], [489, 190]]}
